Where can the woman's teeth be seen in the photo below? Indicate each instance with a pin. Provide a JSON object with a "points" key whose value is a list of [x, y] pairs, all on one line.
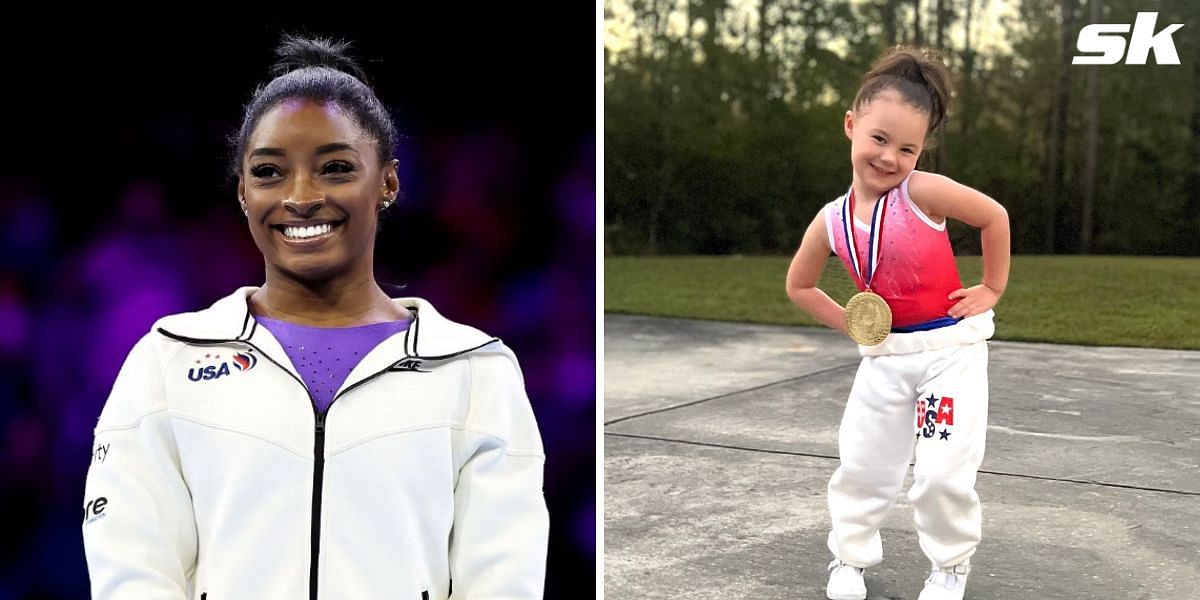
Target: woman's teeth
{"points": [[301, 233]]}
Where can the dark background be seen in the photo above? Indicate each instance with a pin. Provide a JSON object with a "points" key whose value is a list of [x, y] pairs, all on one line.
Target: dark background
{"points": [[115, 210]]}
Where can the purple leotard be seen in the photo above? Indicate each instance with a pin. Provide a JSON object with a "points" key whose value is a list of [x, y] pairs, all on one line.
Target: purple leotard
{"points": [[324, 356]]}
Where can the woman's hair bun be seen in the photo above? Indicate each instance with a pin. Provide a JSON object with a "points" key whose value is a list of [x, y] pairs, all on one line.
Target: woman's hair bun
{"points": [[298, 52]]}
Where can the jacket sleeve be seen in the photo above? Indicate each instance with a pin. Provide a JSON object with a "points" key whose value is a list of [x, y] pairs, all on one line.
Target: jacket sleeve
{"points": [[139, 532], [501, 526]]}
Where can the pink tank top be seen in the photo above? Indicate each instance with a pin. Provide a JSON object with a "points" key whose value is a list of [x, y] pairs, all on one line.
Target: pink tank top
{"points": [[916, 269]]}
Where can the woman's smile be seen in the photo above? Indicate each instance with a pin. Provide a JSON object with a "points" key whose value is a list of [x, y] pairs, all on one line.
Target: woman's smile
{"points": [[308, 235]]}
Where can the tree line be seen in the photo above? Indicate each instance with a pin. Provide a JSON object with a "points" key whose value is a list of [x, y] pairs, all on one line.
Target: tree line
{"points": [[723, 121]]}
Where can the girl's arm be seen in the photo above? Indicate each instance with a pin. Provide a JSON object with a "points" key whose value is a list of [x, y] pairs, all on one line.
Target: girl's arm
{"points": [[942, 197], [806, 270]]}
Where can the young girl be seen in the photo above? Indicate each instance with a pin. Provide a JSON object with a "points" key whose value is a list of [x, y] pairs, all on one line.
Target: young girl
{"points": [[889, 230]]}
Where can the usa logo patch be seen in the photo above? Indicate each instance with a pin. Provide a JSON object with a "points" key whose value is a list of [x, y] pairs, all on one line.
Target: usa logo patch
{"points": [[212, 366], [935, 416], [244, 361]]}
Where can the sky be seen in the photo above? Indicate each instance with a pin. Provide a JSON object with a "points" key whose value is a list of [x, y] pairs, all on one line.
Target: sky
{"points": [[619, 34]]}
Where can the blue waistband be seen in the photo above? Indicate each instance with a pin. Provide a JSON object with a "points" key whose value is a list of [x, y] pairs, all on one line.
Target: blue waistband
{"points": [[927, 325]]}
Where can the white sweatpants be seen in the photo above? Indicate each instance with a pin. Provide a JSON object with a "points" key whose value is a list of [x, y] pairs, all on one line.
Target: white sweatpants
{"points": [[936, 401]]}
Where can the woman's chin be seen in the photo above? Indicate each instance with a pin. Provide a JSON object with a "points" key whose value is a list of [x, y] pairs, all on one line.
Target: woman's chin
{"points": [[310, 269]]}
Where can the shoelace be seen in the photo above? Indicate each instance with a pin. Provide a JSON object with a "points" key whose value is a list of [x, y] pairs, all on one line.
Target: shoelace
{"points": [[950, 577], [837, 564]]}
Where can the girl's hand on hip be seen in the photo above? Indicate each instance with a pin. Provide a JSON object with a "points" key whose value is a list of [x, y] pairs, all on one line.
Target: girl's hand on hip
{"points": [[975, 300]]}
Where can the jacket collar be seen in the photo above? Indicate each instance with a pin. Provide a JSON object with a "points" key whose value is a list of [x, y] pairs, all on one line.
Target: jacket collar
{"points": [[430, 336]]}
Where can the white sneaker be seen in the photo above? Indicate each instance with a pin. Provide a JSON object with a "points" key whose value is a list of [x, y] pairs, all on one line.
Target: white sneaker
{"points": [[845, 582], [948, 583]]}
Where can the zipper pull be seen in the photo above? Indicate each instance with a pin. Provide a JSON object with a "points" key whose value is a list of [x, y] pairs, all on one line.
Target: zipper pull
{"points": [[320, 422]]}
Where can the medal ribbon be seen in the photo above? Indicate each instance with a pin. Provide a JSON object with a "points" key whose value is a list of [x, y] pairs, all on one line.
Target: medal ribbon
{"points": [[873, 242]]}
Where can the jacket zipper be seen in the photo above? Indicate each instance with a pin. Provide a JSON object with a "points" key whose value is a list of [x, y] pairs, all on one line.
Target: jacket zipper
{"points": [[319, 471], [318, 482]]}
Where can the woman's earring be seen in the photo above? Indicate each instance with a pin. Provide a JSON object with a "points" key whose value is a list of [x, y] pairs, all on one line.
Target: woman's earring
{"points": [[245, 211], [386, 203]]}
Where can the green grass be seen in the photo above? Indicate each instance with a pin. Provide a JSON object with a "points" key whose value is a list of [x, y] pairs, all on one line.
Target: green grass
{"points": [[1091, 300]]}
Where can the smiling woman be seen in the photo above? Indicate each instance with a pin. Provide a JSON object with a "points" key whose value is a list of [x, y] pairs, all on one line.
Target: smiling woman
{"points": [[313, 160], [378, 449], [312, 187]]}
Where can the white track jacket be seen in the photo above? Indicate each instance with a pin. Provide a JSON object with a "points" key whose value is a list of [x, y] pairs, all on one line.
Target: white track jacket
{"points": [[213, 477]]}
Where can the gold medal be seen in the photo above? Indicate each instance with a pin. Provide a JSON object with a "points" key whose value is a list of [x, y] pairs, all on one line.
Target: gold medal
{"points": [[868, 318]]}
